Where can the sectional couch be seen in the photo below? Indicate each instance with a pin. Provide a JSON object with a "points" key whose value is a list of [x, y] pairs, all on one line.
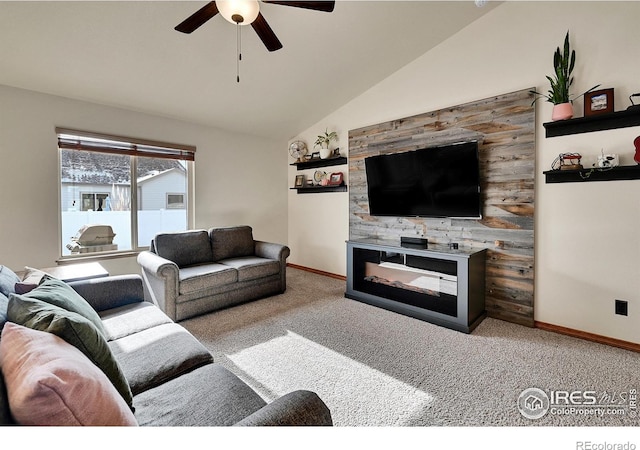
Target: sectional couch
{"points": [[122, 361], [194, 272]]}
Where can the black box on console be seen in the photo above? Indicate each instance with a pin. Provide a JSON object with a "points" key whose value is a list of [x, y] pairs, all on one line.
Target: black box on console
{"points": [[413, 242]]}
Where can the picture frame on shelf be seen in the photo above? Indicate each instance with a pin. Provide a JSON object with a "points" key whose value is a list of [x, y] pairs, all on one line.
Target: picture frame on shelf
{"points": [[598, 102], [335, 179], [315, 155], [299, 183]]}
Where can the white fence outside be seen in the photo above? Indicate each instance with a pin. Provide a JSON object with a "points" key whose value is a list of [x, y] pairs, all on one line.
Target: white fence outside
{"points": [[149, 223]]}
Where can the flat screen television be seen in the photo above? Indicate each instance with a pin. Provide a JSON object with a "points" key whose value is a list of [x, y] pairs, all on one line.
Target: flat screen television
{"points": [[431, 182]]}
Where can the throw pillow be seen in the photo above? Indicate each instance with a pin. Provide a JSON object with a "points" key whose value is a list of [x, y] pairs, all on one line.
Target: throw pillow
{"points": [[30, 280], [73, 328], [50, 382], [8, 280], [59, 293]]}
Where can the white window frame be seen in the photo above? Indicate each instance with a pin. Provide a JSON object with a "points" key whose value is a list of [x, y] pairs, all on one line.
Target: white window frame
{"points": [[71, 139]]}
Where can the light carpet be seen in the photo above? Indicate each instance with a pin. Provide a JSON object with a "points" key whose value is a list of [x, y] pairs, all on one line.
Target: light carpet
{"points": [[373, 367]]}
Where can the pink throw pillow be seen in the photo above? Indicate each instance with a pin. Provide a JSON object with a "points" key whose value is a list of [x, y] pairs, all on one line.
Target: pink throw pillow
{"points": [[50, 382]]}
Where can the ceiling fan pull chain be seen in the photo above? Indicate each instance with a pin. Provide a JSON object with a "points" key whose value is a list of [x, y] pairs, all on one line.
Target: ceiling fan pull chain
{"points": [[239, 51]]}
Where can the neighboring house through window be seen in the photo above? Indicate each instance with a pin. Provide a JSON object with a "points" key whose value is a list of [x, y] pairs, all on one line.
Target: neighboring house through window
{"points": [[136, 187]]}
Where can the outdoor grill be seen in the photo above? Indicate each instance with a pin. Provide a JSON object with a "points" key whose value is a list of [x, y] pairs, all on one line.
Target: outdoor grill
{"points": [[93, 238]]}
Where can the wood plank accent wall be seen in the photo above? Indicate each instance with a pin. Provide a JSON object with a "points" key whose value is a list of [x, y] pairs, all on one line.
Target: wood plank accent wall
{"points": [[504, 127]]}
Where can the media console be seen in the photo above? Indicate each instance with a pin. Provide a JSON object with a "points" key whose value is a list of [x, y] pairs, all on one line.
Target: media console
{"points": [[439, 285]]}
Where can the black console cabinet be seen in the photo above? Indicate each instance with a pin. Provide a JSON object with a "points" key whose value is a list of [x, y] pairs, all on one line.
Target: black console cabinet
{"points": [[442, 286]]}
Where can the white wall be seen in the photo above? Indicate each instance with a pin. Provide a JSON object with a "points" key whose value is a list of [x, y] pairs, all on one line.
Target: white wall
{"points": [[239, 179], [587, 246]]}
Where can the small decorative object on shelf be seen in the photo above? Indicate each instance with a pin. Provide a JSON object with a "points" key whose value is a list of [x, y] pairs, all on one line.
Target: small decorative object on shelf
{"points": [[298, 150], [299, 181], [607, 161], [636, 143], [315, 155], [335, 179], [567, 161], [320, 176], [324, 141], [598, 102], [558, 94], [633, 106]]}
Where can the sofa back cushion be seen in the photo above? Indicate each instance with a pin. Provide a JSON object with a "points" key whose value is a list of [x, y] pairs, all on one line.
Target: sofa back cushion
{"points": [[185, 248], [231, 242]]}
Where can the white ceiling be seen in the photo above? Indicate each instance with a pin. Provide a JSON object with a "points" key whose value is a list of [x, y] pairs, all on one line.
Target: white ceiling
{"points": [[127, 54]]}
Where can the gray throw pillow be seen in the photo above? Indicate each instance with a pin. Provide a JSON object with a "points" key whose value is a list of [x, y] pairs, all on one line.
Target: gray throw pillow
{"points": [[73, 328], [8, 280]]}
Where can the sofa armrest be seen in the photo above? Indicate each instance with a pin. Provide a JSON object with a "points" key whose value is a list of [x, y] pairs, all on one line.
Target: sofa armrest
{"points": [[161, 278], [278, 252], [271, 251], [110, 292], [301, 408]]}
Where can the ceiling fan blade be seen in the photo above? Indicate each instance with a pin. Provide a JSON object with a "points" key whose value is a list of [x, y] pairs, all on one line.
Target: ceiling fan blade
{"points": [[198, 18], [266, 34], [316, 6]]}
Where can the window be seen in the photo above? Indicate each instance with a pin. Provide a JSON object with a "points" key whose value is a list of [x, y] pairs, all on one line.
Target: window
{"points": [[175, 201], [116, 193]]}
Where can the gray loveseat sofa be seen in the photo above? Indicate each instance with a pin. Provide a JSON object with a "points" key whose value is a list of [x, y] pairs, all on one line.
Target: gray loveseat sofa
{"points": [[198, 271], [172, 378]]}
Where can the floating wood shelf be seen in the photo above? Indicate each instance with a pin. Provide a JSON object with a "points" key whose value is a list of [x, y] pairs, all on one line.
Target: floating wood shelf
{"points": [[312, 164], [574, 176], [609, 121], [317, 189]]}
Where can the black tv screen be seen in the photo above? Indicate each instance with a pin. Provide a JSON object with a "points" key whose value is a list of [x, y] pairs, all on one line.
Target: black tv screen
{"points": [[431, 182]]}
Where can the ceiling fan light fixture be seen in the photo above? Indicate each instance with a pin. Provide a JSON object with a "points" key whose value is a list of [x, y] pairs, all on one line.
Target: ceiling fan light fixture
{"points": [[241, 12]]}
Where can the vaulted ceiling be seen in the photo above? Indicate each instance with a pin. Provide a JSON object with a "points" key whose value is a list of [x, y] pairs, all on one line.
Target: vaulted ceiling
{"points": [[127, 54]]}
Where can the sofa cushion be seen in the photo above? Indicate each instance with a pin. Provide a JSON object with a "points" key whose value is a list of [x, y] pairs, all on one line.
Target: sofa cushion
{"points": [[50, 382], [129, 319], [198, 278], [252, 267], [184, 248], [155, 355], [8, 280], [73, 328], [208, 396], [58, 293], [231, 242]]}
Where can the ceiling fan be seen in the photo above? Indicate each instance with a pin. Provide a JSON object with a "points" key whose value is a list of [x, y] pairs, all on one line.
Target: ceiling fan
{"points": [[245, 12]]}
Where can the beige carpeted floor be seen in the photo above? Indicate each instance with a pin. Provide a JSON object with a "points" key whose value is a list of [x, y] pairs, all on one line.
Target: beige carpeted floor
{"points": [[377, 368]]}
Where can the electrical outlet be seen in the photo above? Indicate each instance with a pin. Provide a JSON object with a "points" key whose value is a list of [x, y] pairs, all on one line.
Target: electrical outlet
{"points": [[622, 307]]}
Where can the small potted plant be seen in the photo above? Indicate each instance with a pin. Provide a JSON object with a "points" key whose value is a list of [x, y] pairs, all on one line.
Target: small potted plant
{"points": [[323, 141], [563, 63]]}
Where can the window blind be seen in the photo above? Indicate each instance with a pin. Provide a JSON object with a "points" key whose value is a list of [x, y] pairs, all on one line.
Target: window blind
{"points": [[94, 142]]}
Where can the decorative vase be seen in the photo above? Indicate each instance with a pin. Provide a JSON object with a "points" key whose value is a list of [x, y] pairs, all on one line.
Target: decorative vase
{"points": [[562, 111], [325, 152]]}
